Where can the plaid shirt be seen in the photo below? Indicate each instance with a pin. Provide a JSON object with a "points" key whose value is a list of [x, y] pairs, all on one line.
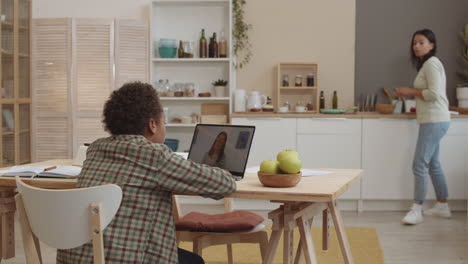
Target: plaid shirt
{"points": [[143, 229]]}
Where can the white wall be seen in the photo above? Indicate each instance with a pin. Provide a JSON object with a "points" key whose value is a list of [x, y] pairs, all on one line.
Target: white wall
{"points": [[125, 9], [302, 31], [283, 31]]}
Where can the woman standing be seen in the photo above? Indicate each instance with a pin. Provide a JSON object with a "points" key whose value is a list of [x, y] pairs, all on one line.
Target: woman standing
{"points": [[433, 117]]}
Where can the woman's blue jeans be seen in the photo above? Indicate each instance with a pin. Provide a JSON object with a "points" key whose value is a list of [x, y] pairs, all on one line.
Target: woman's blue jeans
{"points": [[426, 161]]}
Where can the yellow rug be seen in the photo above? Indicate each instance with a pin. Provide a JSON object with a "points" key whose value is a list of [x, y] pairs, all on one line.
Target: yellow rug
{"points": [[364, 242]]}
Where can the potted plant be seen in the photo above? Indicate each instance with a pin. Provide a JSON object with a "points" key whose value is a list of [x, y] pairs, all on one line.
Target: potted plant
{"points": [[219, 87], [462, 88], [240, 33]]}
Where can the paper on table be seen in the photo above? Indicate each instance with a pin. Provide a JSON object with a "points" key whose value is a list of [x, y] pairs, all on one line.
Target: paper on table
{"points": [[305, 172]]}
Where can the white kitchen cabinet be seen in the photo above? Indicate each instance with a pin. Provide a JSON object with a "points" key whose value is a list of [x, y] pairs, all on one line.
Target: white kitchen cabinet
{"points": [[331, 143], [387, 153], [453, 157], [271, 136]]}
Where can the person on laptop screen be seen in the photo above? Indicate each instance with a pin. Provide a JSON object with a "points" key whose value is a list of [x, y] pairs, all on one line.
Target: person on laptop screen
{"points": [[216, 156], [135, 158]]}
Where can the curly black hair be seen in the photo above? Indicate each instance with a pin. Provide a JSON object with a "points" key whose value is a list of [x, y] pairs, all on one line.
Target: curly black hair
{"points": [[129, 109]]}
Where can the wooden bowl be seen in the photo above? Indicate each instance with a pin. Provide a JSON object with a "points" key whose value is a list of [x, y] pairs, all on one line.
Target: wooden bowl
{"points": [[385, 108], [279, 180]]}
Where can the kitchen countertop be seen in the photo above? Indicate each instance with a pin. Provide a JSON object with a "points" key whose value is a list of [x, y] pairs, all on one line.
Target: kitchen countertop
{"points": [[314, 115]]}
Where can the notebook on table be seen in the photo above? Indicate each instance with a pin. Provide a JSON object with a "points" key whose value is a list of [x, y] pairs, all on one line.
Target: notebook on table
{"points": [[223, 146], [43, 171]]}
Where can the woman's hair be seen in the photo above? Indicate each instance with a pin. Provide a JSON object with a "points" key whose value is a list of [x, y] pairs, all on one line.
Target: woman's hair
{"points": [[212, 150], [130, 108], [418, 62]]}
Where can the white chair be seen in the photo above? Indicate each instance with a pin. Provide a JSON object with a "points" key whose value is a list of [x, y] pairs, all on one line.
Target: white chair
{"points": [[65, 219], [201, 240]]}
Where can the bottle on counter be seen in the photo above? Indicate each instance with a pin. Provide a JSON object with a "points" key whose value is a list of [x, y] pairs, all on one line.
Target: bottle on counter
{"points": [[322, 100], [335, 100], [222, 46], [203, 45]]}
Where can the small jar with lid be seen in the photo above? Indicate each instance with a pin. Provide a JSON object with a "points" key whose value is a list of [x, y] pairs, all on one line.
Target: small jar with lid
{"points": [[178, 89], [310, 80], [298, 80], [285, 82], [189, 89]]}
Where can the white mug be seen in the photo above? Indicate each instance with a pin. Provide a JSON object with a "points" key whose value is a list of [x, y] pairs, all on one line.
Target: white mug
{"points": [[300, 108], [283, 109]]}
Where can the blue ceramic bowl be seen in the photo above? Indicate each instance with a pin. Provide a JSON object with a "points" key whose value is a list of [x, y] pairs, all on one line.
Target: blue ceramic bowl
{"points": [[169, 43], [172, 143], [167, 52]]}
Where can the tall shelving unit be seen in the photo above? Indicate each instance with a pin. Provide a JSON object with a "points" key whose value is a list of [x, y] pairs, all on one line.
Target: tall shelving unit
{"points": [[184, 20], [15, 90]]}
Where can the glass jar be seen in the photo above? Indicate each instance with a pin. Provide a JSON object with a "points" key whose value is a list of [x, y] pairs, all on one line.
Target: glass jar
{"points": [[189, 89], [188, 49], [310, 106], [167, 87], [285, 82], [298, 80], [286, 104], [310, 80], [178, 89]]}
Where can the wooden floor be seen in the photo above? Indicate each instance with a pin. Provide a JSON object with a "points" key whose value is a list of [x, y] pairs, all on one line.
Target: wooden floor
{"points": [[435, 241]]}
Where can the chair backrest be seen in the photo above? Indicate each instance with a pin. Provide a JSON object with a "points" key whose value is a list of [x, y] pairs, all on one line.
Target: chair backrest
{"points": [[60, 218]]}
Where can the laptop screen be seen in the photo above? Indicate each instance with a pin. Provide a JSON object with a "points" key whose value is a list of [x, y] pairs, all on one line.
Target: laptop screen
{"points": [[223, 146]]}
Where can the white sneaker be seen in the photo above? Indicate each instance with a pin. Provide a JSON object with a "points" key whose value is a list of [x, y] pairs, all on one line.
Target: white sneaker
{"points": [[439, 209], [414, 216]]}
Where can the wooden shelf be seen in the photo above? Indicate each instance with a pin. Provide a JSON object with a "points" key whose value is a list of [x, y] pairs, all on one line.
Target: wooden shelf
{"points": [[9, 53], [194, 98], [7, 24], [7, 133], [191, 59], [298, 88], [295, 94]]}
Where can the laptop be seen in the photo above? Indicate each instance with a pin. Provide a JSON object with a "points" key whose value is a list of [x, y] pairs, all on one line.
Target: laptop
{"points": [[223, 146]]}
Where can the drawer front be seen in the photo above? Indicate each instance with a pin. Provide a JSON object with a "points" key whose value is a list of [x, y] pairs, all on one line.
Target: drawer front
{"points": [[328, 126]]}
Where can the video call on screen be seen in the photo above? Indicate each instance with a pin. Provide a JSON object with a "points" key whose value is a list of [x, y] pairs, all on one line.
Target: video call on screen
{"points": [[225, 147]]}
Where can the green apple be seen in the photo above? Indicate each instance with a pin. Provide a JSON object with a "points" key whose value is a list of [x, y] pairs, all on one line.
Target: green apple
{"points": [[287, 153], [270, 167], [290, 165]]}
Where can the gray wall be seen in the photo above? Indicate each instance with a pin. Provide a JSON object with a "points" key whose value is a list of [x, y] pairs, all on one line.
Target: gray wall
{"points": [[383, 36]]}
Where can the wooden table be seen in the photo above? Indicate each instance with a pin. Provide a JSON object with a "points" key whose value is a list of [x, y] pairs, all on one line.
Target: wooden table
{"points": [[312, 196]]}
